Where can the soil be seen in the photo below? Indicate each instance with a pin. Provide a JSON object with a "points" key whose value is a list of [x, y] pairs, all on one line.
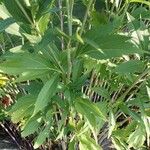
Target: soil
{"points": [[6, 143]]}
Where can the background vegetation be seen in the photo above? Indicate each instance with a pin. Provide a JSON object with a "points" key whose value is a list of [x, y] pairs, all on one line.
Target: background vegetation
{"points": [[75, 73]]}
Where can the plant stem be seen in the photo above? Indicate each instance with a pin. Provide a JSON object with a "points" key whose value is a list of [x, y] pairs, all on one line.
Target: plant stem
{"points": [[9, 38], [85, 17], [61, 22], [69, 4], [84, 21], [134, 83]]}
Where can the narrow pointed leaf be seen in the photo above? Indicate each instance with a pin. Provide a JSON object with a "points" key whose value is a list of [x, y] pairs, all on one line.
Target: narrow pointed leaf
{"points": [[42, 136], [19, 63], [45, 94]]}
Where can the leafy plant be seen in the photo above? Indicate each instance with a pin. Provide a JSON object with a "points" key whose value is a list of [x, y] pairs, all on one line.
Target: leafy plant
{"points": [[83, 81]]}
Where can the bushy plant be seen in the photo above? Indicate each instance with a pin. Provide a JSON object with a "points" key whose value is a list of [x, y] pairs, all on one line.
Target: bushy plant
{"points": [[81, 68]]}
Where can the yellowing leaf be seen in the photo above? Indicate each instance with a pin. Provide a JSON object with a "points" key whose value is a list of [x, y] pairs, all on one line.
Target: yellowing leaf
{"points": [[137, 138]]}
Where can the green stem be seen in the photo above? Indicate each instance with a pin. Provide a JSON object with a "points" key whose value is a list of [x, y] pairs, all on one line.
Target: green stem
{"points": [[84, 22], [9, 38], [69, 61], [69, 4], [61, 22], [121, 98], [85, 17]]}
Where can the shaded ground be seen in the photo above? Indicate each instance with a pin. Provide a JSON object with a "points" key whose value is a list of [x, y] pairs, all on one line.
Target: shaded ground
{"points": [[6, 143]]}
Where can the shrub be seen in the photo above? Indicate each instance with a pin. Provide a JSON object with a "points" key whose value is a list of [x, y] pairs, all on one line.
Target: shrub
{"points": [[81, 69]]}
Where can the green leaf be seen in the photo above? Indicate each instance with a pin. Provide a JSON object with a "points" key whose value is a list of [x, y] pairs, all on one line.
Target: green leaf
{"points": [[118, 145], [78, 37], [148, 91], [43, 23], [102, 92], [137, 138], [31, 126], [109, 46], [85, 106], [5, 23], [77, 70], [47, 39], [71, 145], [93, 45], [42, 136], [23, 103], [22, 107], [141, 12], [131, 66], [112, 123], [4, 12], [13, 28], [87, 143], [146, 121], [133, 114], [46, 93], [18, 11], [19, 63], [89, 116], [98, 18], [32, 38], [31, 75], [17, 49], [140, 1], [44, 7]]}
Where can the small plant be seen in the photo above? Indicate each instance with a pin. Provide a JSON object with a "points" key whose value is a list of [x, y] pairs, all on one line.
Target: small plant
{"points": [[80, 70]]}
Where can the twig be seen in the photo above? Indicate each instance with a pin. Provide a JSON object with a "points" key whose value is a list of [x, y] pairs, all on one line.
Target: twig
{"points": [[13, 138]]}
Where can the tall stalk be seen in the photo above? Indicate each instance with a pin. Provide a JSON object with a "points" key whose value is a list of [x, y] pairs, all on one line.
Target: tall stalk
{"points": [[84, 20], [61, 22], [86, 16], [69, 4]]}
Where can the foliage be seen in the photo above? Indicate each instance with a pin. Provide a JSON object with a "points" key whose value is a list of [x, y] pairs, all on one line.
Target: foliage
{"points": [[80, 70]]}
